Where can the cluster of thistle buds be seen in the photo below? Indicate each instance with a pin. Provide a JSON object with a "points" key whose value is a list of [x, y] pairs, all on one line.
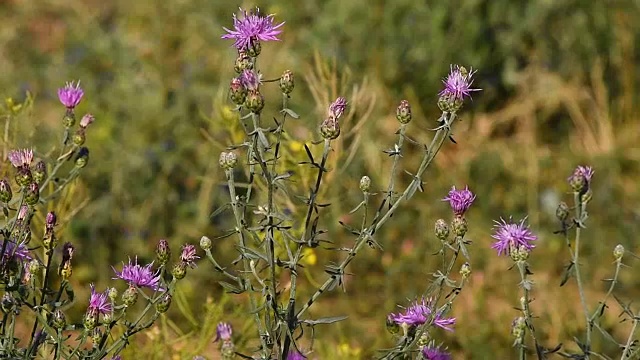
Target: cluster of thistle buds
{"points": [[70, 96], [457, 86]]}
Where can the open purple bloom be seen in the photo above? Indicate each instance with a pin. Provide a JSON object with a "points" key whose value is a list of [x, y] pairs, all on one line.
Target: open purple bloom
{"points": [[434, 353], [460, 200], [457, 85], [511, 234], [252, 27], [140, 276], [188, 255], [294, 355], [21, 158], [70, 95], [223, 332], [419, 313], [99, 302], [20, 251]]}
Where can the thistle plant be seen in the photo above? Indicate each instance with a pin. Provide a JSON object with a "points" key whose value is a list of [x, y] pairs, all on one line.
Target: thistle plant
{"points": [[272, 240], [36, 282]]}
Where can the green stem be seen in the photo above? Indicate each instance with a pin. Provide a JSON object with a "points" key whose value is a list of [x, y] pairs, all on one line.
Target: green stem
{"points": [[576, 258]]}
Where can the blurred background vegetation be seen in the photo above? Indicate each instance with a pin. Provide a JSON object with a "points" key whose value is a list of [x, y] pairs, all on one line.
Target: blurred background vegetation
{"points": [[560, 86]]}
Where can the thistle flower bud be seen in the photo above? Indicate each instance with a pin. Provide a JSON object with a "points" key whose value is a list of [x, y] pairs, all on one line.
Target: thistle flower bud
{"points": [[5, 191], [403, 112], [577, 182], [69, 118], [562, 211], [50, 221], [90, 319], [96, 337], [40, 172], [580, 179], [82, 158], [112, 293], [79, 137], [517, 329], [228, 160], [459, 226], [205, 243], [442, 229], [179, 270], [23, 176], [449, 103], [237, 91], [130, 296], [163, 252], [163, 304], [618, 252], [86, 120], [32, 194], [286, 82], [330, 128], [465, 270], [58, 320], [365, 184], [243, 62], [254, 101]]}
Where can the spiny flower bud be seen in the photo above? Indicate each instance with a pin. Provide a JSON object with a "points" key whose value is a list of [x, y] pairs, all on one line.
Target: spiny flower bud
{"points": [[163, 252], [618, 252], [562, 211], [459, 226], [449, 103], [79, 137], [23, 176], [50, 220], [330, 128], [82, 158], [286, 82], [465, 270], [163, 304], [365, 184], [112, 293], [5, 191], [130, 296], [58, 320], [179, 270], [243, 62], [403, 112], [254, 47], [228, 160], [580, 179], [237, 91], [40, 172], [442, 229], [90, 319], [32, 194], [254, 101], [205, 243], [69, 118]]}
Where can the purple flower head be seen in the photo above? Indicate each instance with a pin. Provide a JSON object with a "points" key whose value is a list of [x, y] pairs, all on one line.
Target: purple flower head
{"points": [[434, 353], [189, 256], [20, 251], [295, 355], [419, 313], [584, 172], [223, 332], [21, 158], [99, 302], [511, 234], [252, 27], [457, 85], [460, 200], [250, 79], [140, 276], [337, 107], [70, 95]]}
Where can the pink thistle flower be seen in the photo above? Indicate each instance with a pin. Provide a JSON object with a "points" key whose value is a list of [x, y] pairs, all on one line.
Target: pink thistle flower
{"points": [[460, 200], [510, 235], [458, 83], [252, 27], [140, 276], [21, 158], [99, 302], [419, 312], [70, 95]]}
